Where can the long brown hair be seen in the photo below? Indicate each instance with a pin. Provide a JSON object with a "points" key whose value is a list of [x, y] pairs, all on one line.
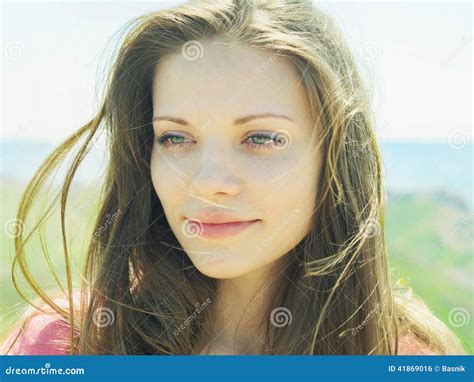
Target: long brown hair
{"points": [[337, 288]]}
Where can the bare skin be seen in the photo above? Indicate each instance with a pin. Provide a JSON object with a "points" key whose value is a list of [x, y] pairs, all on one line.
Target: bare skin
{"points": [[216, 158]]}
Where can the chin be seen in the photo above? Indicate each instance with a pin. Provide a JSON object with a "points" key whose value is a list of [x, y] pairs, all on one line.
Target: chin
{"points": [[218, 268]]}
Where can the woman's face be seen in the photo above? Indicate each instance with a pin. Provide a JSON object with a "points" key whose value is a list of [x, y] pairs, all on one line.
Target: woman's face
{"points": [[233, 162]]}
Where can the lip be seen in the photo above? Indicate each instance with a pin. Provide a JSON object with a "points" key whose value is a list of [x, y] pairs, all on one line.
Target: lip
{"points": [[220, 230], [213, 216]]}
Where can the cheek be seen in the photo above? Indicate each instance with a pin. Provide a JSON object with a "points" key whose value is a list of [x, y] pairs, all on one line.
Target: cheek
{"points": [[289, 201], [286, 181]]}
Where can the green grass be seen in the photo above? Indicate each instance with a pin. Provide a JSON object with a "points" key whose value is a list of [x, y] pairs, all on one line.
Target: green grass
{"points": [[429, 244]]}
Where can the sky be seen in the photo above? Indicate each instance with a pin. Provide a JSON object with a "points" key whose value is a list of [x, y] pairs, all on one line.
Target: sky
{"points": [[416, 57]]}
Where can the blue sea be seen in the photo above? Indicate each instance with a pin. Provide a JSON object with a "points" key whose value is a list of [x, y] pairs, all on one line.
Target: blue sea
{"points": [[409, 167], [428, 167]]}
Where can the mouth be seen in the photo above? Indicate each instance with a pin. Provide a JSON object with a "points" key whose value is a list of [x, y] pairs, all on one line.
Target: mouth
{"points": [[220, 230]]}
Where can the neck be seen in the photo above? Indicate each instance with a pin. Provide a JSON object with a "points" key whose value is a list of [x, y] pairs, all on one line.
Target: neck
{"points": [[241, 308]]}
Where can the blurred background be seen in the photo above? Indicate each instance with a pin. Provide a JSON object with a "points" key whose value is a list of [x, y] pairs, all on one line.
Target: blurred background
{"points": [[416, 58]]}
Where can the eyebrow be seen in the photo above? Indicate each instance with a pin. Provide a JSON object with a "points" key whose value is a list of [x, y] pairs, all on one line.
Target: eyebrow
{"points": [[238, 121]]}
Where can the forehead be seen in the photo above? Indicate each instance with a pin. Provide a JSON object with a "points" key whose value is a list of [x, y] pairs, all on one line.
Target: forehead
{"points": [[228, 80]]}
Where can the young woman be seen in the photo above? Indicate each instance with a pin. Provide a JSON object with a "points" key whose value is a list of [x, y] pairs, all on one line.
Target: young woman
{"points": [[245, 186]]}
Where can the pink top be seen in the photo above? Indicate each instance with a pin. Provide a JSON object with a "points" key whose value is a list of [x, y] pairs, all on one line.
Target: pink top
{"points": [[46, 334]]}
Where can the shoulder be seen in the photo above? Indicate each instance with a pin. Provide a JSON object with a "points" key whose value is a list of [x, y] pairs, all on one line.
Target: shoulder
{"points": [[410, 344], [40, 333]]}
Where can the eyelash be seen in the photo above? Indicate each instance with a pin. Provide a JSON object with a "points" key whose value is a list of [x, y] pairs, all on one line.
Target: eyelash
{"points": [[164, 138]]}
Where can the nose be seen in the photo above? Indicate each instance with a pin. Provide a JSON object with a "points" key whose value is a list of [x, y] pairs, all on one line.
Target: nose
{"points": [[216, 175]]}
